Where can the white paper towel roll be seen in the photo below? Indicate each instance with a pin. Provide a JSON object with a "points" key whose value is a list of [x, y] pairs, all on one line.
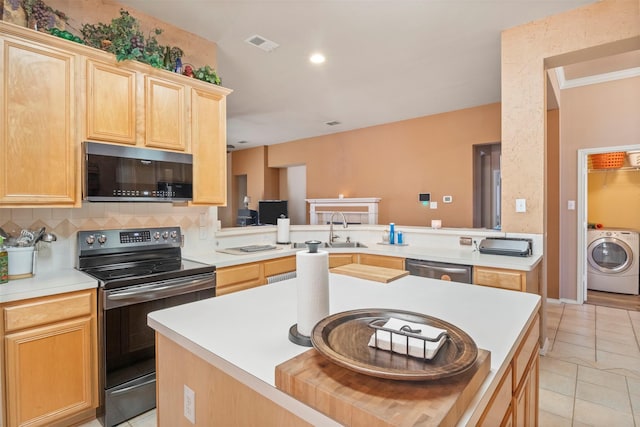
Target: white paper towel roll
{"points": [[283, 231], [312, 273]]}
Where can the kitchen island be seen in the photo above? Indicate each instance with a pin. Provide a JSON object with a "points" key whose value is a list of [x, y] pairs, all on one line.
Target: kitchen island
{"points": [[226, 349]]}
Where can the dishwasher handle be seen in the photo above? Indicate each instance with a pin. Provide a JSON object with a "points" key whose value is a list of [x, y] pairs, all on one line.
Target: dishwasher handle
{"points": [[449, 270]]}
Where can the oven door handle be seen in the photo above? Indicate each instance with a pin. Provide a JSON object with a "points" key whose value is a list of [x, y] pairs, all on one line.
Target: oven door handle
{"points": [[155, 287], [132, 387]]}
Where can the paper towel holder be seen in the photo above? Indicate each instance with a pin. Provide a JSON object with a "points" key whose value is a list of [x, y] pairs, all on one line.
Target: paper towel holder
{"points": [[297, 338], [294, 335]]}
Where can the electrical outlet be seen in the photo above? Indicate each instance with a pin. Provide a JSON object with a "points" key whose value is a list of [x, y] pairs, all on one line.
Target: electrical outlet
{"points": [[521, 205], [189, 404], [466, 241]]}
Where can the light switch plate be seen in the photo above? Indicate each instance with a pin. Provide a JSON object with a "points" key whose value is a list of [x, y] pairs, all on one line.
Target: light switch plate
{"points": [[521, 205], [434, 205], [571, 205]]}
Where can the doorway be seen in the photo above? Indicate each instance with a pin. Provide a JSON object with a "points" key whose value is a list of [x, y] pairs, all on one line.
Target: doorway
{"points": [[486, 186], [629, 302]]}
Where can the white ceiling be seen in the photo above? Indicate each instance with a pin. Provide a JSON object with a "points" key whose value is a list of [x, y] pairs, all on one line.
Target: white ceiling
{"points": [[387, 60]]}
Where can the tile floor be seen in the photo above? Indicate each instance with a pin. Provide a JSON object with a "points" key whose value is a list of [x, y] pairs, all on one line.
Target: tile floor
{"points": [[590, 375]]}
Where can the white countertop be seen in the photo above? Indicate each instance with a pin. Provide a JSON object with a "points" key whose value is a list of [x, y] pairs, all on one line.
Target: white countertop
{"points": [[229, 331], [51, 283], [451, 255]]}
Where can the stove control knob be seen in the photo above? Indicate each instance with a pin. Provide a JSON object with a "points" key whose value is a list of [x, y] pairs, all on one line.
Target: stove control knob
{"points": [[156, 235], [165, 235], [91, 239], [174, 234], [102, 239]]}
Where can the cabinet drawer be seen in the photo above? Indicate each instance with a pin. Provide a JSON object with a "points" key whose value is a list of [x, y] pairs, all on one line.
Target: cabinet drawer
{"points": [[382, 261], [246, 273], [41, 311], [498, 278], [279, 266], [528, 346], [498, 407]]}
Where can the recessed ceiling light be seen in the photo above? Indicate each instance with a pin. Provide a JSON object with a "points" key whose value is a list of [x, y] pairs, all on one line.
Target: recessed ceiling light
{"points": [[317, 58]]}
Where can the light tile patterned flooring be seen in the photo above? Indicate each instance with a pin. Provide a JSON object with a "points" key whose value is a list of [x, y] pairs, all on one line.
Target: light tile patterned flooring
{"points": [[590, 375]]}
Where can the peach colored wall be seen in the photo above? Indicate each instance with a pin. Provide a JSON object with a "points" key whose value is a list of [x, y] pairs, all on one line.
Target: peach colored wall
{"points": [[262, 181], [525, 50], [606, 27], [397, 161], [614, 198], [198, 51]]}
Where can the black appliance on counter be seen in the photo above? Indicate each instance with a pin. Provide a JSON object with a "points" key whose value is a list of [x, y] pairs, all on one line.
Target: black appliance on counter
{"points": [[510, 246], [139, 271]]}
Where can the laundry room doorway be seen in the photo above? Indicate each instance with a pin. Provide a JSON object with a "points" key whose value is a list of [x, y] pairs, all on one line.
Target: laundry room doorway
{"points": [[605, 200]]}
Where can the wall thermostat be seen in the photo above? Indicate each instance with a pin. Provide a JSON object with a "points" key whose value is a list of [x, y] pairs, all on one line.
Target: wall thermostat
{"points": [[447, 199], [424, 198]]}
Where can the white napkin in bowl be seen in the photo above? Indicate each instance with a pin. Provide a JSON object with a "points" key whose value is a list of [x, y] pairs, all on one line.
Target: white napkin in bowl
{"points": [[416, 346]]}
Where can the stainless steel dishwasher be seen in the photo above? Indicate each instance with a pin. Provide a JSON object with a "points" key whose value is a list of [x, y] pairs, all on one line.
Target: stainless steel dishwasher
{"points": [[439, 270]]}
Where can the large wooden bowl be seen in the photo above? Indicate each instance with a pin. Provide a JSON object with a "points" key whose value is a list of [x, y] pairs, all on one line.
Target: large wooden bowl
{"points": [[343, 338]]}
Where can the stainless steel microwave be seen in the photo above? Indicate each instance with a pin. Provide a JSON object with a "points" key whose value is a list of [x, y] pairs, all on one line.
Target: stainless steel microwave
{"points": [[117, 173]]}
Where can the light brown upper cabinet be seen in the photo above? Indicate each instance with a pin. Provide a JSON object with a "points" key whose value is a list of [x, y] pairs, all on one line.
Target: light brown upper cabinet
{"points": [[111, 103], [165, 114], [37, 118], [209, 143]]}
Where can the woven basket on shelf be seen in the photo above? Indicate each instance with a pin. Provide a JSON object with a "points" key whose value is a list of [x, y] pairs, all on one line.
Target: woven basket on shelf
{"points": [[607, 160]]}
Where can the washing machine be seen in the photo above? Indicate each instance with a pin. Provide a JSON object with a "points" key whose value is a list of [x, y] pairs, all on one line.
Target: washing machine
{"points": [[613, 261]]}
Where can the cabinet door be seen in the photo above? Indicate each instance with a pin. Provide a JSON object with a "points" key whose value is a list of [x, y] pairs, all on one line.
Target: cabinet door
{"points": [[165, 114], [38, 146], [208, 140], [336, 260], [238, 278], [111, 103], [49, 372], [382, 261]]}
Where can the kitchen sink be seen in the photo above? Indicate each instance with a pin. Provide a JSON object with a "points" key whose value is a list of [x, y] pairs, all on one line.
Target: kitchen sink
{"points": [[298, 245], [346, 245]]}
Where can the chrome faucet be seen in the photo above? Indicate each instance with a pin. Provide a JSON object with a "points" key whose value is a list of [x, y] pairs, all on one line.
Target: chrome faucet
{"points": [[332, 236]]}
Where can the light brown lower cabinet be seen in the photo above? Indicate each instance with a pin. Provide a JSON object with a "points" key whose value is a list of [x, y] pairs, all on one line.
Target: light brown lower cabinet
{"points": [[515, 401], [239, 277], [336, 260], [50, 360], [516, 280], [382, 261]]}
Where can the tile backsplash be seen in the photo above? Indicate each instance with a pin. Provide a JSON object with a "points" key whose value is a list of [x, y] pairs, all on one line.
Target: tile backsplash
{"points": [[66, 222]]}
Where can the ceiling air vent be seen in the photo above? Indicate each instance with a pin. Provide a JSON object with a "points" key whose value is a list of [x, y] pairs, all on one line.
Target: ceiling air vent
{"points": [[262, 43], [332, 123]]}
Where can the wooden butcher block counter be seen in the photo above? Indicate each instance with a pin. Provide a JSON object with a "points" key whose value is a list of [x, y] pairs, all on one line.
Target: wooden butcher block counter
{"points": [[358, 400]]}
